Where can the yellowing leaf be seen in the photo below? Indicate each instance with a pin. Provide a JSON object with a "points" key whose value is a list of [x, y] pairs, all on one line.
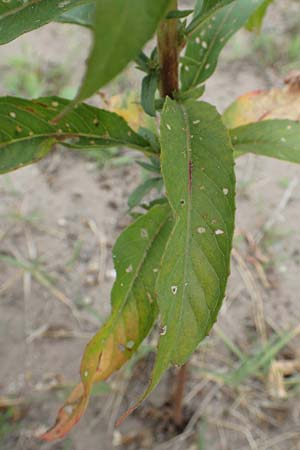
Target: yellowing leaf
{"points": [[137, 253], [277, 103]]}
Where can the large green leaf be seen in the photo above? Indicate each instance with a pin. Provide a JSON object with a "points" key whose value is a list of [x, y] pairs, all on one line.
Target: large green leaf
{"points": [[275, 138], [197, 167], [122, 27], [137, 254], [206, 39], [27, 134], [19, 16]]}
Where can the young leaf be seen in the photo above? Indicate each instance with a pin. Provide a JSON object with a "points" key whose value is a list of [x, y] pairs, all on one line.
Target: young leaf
{"points": [[136, 253], [27, 133], [277, 103], [18, 17], [122, 27], [256, 20], [275, 138], [179, 13], [207, 37], [149, 87], [143, 189], [197, 167]]}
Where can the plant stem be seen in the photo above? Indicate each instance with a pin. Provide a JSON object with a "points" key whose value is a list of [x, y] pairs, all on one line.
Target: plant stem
{"points": [[180, 381], [168, 43]]}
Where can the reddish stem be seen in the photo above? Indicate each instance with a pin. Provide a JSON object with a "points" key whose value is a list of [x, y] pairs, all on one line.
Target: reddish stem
{"points": [[178, 396], [168, 50]]}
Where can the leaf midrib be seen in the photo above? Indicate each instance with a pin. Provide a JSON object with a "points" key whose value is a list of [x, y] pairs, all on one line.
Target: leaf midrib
{"points": [[62, 136]]}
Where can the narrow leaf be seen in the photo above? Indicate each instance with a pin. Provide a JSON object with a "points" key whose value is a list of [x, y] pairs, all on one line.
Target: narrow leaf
{"points": [[197, 167], [143, 189], [207, 37], [136, 254], [256, 20], [27, 133], [179, 13], [18, 16], [149, 87], [275, 138], [122, 28]]}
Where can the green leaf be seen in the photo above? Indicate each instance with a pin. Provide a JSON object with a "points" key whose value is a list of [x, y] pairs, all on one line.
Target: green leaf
{"points": [[207, 37], [122, 28], [204, 9], [198, 170], [194, 93], [149, 87], [275, 138], [136, 253], [191, 285], [81, 15], [27, 133], [256, 20], [205, 6], [153, 167], [18, 16], [143, 189], [179, 13]]}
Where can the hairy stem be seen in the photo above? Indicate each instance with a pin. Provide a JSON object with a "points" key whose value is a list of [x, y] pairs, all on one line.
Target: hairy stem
{"points": [[168, 51]]}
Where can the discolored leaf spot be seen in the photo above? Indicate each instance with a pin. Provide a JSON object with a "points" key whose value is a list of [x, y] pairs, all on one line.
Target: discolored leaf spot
{"points": [[276, 103], [267, 122]]}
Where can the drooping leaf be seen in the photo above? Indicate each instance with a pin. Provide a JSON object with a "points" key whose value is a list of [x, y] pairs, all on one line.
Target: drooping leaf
{"points": [[256, 20], [27, 134], [136, 253], [122, 27], [275, 138], [18, 16], [81, 15], [197, 167], [277, 103], [208, 35]]}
